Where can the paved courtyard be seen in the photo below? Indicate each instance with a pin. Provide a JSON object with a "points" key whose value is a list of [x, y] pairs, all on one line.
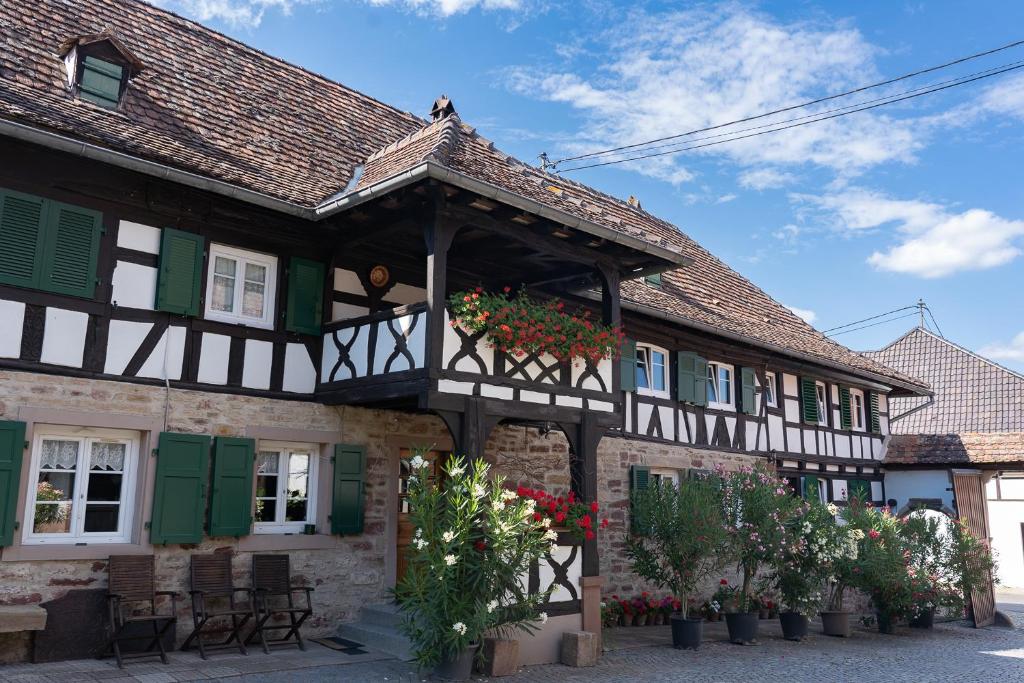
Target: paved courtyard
{"points": [[951, 652]]}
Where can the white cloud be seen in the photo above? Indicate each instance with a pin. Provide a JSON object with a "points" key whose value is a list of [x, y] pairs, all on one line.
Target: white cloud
{"points": [[725, 198], [675, 71], [765, 179], [447, 8], [788, 233], [934, 240], [1014, 351], [807, 315], [237, 13], [1005, 97]]}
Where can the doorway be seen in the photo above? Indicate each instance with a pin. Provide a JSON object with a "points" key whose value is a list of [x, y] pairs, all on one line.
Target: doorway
{"points": [[435, 472]]}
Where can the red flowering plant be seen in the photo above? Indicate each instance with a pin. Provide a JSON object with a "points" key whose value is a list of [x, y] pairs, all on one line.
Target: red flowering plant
{"points": [[520, 325], [581, 519]]}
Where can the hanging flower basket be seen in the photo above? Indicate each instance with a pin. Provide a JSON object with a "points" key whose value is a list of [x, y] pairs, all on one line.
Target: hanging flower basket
{"points": [[521, 325]]}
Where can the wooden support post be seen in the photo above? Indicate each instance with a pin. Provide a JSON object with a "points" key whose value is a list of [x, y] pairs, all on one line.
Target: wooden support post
{"points": [[611, 313], [438, 235], [583, 473]]}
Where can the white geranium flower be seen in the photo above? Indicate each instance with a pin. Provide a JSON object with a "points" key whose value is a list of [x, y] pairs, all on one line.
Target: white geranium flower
{"points": [[450, 560], [459, 628], [543, 617], [448, 536]]}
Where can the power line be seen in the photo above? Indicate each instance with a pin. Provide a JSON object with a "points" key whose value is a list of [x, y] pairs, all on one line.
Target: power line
{"points": [[874, 317], [934, 322], [797, 106], [1001, 70], [880, 322]]}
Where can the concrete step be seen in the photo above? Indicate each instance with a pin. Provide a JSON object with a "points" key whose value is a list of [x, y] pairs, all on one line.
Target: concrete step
{"points": [[380, 638], [385, 614]]}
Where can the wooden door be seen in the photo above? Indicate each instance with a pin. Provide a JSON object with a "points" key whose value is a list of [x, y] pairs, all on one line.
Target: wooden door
{"points": [[405, 527], [969, 497]]}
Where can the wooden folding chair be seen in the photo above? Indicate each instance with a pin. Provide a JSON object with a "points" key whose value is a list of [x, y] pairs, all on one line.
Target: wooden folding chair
{"points": [[130, 583], [275, 596], [213, 597]]}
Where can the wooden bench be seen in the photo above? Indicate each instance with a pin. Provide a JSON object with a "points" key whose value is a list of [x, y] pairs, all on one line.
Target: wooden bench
{"points": [[15, 618]]}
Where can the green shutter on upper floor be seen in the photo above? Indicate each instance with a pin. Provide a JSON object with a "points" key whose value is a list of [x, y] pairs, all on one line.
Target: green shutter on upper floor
{"points": [[71, 250], [748, 391], [101, 82], [874, 421], [809, 400], [22, 234], [811, 490], [349, 489], [12, 451], [691, 378], [179, 277], [304, 310], [231, 496], [845, 411], [859, 489], [627, 364], [179, 494]]}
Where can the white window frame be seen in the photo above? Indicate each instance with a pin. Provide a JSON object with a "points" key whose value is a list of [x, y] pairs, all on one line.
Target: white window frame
{"points": [[241, 257], [772, 386], [716, 378], [284, 449], [648, 350], [858, 418], [127, 503], [821, 397], [663, 474], [823, 490]]}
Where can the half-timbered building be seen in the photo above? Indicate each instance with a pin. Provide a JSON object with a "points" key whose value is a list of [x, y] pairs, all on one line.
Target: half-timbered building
{"points": [[223, 282]]}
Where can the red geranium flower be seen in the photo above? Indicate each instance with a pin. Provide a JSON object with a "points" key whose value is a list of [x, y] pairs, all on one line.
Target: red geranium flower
{"points": [[594, 507], [723, 582]]}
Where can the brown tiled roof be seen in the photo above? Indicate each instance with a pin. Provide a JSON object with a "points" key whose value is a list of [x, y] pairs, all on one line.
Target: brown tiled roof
{"points": [[209, 105], [972, 393], [968, 448]]}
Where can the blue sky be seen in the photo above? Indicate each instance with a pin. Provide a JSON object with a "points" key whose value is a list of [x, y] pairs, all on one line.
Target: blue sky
{"points": [[842, 220]]}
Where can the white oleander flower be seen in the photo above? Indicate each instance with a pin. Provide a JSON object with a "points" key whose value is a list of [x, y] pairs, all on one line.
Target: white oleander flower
{"points": [[419, 533], [531, 504], [450, 560], [456, 471], [492, 605], [448, 536], [417, 462], [550, 535], [545, 522], [420, 543], [553, 549], [459, 628], [508, 495], [479, 491], [543, 616], [832, 509], [857, 534]]}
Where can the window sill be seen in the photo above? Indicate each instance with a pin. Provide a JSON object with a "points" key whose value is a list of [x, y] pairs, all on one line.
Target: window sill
{"points": [[261, 542], [244, 322], [721, 406], [652, 392], [53, 551]]}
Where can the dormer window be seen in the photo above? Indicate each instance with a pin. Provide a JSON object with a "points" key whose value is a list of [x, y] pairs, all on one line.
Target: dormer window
{"points": [[98, 69]]}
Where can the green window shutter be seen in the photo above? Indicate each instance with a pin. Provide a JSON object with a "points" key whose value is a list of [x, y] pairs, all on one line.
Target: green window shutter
{"points": [[809, 400], [691, 378], [859, 489], [845, 410], [627, 364], [639, 480], [180, 274], [653, 280], [12, 450], [101, 82], [22, 231], [811, 488], [71, 250], [748, 391], [304, 312], [349, 487], [874, 423], [231, 497], [179, 496]]}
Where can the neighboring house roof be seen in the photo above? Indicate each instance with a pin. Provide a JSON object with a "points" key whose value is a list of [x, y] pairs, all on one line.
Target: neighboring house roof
{"points": [[211, 106], [972, 393], [968, 449]]}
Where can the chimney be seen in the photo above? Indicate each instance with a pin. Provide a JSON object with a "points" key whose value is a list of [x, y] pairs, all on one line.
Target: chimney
{"points": [[443, 108], [634, 202]]}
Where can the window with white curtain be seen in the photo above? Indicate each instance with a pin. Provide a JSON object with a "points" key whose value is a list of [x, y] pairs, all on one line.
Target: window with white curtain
{"points": [[285, 488], [240, 286], [82, 483]]}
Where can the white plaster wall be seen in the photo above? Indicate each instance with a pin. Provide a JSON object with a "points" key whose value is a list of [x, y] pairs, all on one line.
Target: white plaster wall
{"points": [[906, 484], [775, 431], [789, 385], [406, 294], [347, 281], [299, 373], [256, 366], [668, 428], [134, 286], [730, 426], [213, 359], [12, 314], [64, 337], [173, 342], [343, 311], [1005, 520], [792, 409], [793, 439], [138, 237], [811, 441], [123, 340]]}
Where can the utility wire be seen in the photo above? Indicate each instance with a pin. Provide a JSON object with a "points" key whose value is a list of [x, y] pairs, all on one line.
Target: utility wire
{"points": [[545, 163], [935, 322], [798, 106], [874, 317], [1001, 70], [880, 322]]}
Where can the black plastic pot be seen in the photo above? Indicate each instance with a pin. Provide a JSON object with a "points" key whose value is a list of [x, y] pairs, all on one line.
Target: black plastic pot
{"points": [[925, 619], [742, 627], [686, 633], [836, 624], [886, 623], [458, 668], [794, 625]]}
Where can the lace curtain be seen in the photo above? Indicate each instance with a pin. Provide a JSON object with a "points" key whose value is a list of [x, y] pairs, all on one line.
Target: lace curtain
{"points": [[266, 463], [107, 456], [59, 455]]}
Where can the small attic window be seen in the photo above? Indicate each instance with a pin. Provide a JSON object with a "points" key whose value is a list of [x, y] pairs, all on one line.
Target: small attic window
{"points": [[654, 280], [98, 69]]}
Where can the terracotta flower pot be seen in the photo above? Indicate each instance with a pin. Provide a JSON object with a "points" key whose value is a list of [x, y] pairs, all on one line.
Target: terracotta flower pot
{"points": [[836, 624], [501, 657]]}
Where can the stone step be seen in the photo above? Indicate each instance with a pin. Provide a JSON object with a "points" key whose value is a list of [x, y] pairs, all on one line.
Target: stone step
{"points": [[380, 638], [384, 614]]}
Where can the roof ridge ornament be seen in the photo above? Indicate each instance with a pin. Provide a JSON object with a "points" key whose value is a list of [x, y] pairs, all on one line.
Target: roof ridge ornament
{"points": [[443, 108]]}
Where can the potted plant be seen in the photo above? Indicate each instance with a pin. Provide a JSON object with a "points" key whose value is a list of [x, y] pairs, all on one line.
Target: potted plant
{"points": [[639, 611], [473, 542], [837, 555], [611, 613], [969, 562], [882, 569], [721, 599], [674, 542], [757, 505]]}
